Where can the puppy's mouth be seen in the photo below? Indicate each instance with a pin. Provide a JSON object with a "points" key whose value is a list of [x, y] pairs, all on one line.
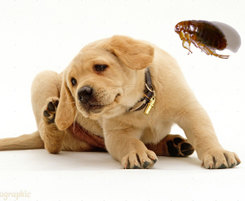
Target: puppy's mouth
{"points": [[97, 107], [94, 107]]}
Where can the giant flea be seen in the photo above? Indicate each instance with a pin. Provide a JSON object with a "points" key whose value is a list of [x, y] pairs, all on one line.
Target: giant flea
{"points": [[203, 35]]}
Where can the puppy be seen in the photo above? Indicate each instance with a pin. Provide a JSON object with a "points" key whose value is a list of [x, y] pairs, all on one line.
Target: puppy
{"points": [[129, 93]]}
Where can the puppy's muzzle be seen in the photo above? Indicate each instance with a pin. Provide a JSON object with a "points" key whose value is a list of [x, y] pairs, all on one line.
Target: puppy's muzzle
{"points": [[88, 101]]}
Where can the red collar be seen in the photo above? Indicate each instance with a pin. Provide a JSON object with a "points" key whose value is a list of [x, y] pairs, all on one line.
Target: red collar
{"points": [[84, 135]]}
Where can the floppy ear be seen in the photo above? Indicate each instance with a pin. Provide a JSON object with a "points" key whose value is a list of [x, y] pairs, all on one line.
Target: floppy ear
{"points": [[65, 114], [133, 53]]}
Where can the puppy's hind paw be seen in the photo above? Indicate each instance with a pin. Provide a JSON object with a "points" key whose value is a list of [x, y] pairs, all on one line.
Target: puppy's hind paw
{"points": [[178, 146], [50, 110]]}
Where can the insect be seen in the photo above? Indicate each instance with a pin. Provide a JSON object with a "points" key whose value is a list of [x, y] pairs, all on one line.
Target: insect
{"points": [[203, 35]]}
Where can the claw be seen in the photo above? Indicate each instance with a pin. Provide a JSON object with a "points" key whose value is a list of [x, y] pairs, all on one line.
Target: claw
{"points": [[187, 47]]}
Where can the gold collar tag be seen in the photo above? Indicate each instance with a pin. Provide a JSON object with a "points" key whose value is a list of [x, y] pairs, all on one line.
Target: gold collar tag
{"points": [[150, 105]]}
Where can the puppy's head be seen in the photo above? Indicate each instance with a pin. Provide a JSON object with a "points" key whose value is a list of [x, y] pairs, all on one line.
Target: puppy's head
{"points": [[104, 79]]}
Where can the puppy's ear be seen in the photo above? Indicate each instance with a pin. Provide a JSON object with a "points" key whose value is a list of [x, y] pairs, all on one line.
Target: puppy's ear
{"points": [[66, 111], [133, 53]]}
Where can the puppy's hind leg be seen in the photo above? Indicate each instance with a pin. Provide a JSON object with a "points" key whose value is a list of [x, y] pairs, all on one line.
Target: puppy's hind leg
{"points": [[172, 145], [53, 138], [45, 98]]}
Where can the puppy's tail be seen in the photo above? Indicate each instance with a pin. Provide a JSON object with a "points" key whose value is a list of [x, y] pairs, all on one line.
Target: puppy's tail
{"points": [[30, 141]]}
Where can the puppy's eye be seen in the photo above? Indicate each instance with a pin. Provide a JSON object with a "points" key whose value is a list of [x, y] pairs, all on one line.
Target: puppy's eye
{"points": [[73, 81], [100, 67]]}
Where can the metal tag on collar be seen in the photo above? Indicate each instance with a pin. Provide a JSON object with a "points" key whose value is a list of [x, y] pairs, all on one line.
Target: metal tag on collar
{"points": [[150, 105]]}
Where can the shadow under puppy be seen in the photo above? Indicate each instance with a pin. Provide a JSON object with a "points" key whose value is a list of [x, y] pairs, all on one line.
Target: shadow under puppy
{"points": [[107, 92]]}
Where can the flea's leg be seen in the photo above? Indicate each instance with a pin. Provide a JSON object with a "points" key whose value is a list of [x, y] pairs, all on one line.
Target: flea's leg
{"points": [[209, 51], [201, 46], [220, 55], [205, 49], [194, 43], [188, 38], [185, 38]]}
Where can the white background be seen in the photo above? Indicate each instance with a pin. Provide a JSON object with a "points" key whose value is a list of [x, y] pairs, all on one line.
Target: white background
{"points": [[40, 35]]}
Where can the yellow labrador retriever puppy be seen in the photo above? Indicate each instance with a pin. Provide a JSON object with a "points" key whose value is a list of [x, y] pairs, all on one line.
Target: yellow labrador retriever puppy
{"points": [[128, 92]]}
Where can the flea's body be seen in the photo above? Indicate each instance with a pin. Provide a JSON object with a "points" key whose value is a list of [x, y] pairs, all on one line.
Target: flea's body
{"points": [[203, 35]]}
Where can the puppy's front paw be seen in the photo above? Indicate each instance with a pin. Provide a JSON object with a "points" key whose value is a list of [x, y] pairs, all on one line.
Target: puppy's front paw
{"points": [[139, 159], [220, 159], [50, 110]]}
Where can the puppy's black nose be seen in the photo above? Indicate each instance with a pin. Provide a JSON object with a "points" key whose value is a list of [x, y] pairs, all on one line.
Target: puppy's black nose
{"points": [[85, 94]]}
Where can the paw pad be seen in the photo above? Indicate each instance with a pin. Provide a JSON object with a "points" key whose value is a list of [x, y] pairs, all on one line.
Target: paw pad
{"points": [[50, 110], [178, 146]]}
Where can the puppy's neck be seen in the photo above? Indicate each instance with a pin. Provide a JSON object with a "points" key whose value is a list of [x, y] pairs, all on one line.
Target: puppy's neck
{"points": [[134, 93], [147, 101]]}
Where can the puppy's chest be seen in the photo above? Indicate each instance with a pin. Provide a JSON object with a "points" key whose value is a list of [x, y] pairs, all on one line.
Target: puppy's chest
{"points": [[156, 131], [154, 128]]}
